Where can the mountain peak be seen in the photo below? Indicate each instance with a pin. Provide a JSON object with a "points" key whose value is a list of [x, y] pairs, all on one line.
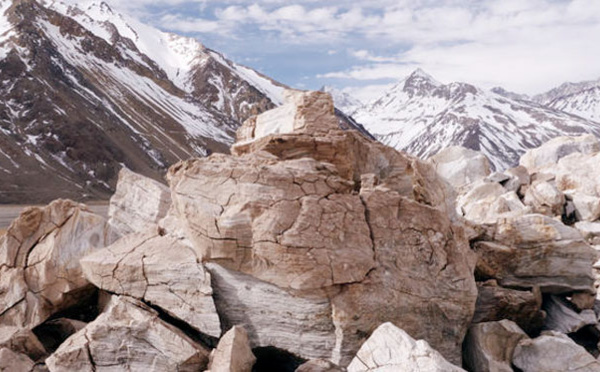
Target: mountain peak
{"points": [[419, 82]]}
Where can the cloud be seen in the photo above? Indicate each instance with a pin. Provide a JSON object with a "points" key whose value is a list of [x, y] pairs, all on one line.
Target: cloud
{"points": [[524, 45]]}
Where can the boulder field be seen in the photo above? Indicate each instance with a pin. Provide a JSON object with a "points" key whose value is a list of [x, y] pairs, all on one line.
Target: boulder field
{"points": [[311, 248]]}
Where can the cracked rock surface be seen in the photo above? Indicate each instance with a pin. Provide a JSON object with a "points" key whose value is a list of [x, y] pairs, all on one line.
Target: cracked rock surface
{"points": [[330, 220], [39, 261], [129, 336], [158, 270]]}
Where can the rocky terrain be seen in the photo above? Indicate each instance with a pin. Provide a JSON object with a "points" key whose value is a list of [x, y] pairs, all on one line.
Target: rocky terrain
{"points": [[310, 248], [422, 117]]}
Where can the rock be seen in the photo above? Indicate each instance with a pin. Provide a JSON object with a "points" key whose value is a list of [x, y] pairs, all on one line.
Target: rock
{"points": [[489, 346], [39, 261], [330, 224], [306, 112], [11, 361], [553, 352], [519, 178], [577, 176], [233, 354], [545, 198], [22, 341], [391, 349], [536, 250], [158, 270], [495, 303], [548, 155], [590, 231], [460, 166], [305, 329], [319, 365], [138, 203], [129, 336], [488, 202], [582, 300], [562, 318], [498, 177]]}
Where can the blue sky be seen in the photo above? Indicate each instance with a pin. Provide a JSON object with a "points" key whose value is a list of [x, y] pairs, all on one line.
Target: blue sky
{"points": [[362, 46]]}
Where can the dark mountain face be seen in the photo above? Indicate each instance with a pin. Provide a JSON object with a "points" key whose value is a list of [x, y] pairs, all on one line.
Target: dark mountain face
{"points": [[76, 107]]}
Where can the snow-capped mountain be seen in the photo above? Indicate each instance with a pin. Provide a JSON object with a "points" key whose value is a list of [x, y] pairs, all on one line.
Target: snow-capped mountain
{"points": [[582, 99], [85, 90], [342, 100], [565, 90], [422, 116]]}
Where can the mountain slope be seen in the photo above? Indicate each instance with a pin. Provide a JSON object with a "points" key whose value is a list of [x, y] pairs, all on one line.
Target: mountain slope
{"points": [[422, 116], [82, 96], [585, 103], [342, 100]]}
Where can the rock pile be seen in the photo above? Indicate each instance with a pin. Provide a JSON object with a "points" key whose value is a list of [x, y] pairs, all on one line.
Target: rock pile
{"points": [[311, 249]]}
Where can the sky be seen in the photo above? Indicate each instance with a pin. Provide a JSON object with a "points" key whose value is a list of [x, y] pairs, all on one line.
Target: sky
{"points": [[364, 46]]}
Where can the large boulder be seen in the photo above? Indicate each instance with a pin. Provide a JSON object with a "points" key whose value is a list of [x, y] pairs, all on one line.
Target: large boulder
{"points": [[490, 346], [158, 270], [460, 166], [40, 273], [326, 223], [487, 202], [138, 203], [391, 349], [563, 317], [547, 156], [11, 361], [545, 198], [536, 250], [553, 352], [129, 336]]}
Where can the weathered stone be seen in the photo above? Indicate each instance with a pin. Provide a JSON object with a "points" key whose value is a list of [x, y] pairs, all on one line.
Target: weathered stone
{"points": [[487, 202], [582, 300], [39, 261], [460, 166], [273, 316], [319, 365], [536, 250], [324, 215], [129, 336], [306, 112], [14, 362], [423, 282], [391, 349], [22, 341], [590, 231], [158, 270], [490, 346], [562, 318], [495, 303], [548, 155], [545, 198], [553, 352], [233, 354], [519, 178], [138, 203]]}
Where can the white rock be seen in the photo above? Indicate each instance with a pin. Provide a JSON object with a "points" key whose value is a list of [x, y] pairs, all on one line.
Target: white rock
{"points": [[391, 349], [460, 166], [486, 202], [138, 203], [159, 270], [129, 336], [233, 354], [11, 361], [545, 198], [548, 155]]}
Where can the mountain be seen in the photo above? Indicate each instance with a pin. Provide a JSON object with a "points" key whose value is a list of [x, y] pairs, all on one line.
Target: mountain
{"points": [[85, 90], [508, 94], [564, 90], [422, 116], [342, 100], [582, 99]]}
